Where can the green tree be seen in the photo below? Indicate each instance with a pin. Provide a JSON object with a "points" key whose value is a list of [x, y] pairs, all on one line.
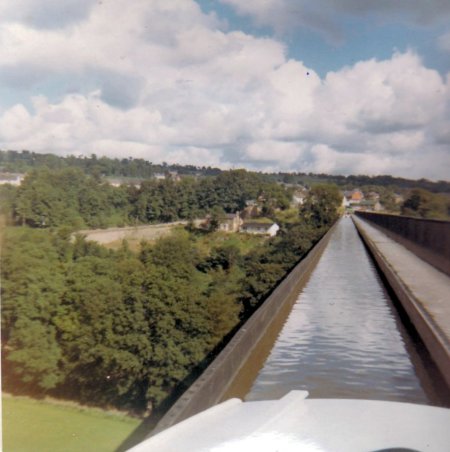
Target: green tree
{"points": [[179, 329], [387, 200], [321, 206], [32, 286], [424, 204], [104, 330], [48, 198], [8, 194], [222, 304], [216, 217]]}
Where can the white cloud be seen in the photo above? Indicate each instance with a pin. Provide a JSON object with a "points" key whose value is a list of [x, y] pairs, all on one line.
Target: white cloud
{"points": [[269, 154], [46, 13], [324, 15], [168, 83], [386, 96]]}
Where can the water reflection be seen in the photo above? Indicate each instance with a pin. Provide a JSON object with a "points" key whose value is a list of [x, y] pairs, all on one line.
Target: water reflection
{"points": [[341, 339]]}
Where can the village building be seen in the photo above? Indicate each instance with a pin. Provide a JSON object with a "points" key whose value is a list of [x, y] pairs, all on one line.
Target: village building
{"points": [[259, 227], [373, 195], [398, 198], [173, 175], [345, 201], [117, 182], [232, 222], [369, 205], [356, 197], [298, 198], [353, 198], [11, 178], [378, 207], [251, 211]]}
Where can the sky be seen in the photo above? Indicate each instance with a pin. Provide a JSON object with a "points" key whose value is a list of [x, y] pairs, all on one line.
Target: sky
{"points": [[323, 86]]}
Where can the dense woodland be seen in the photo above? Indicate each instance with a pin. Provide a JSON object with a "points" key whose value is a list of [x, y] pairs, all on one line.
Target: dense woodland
{"points": [[357, 181], [68, 197], [126, 329], [74, 191], [121, 329], [25, 161]]}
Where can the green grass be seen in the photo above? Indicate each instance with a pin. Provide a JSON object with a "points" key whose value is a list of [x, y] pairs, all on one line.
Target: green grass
{"points": [[288, 215], [244, 242], [38, 426]]}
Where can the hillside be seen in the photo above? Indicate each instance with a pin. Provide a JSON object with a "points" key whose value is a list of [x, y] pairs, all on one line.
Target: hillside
{"points": [[24, 161]]}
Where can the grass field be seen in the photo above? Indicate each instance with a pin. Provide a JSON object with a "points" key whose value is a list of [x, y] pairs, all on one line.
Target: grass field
{"points": [[113, 237], [38, 426], [244, 242]]}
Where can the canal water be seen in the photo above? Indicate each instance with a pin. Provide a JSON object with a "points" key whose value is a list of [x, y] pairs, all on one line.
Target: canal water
{"points": [[343, 338]]}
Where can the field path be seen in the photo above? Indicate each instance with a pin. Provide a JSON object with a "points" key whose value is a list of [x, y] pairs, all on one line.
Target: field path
{"points": [[133, 233]]}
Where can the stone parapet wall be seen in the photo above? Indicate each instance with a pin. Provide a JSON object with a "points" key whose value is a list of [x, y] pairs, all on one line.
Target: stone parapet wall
{"points": [[428, 239]]}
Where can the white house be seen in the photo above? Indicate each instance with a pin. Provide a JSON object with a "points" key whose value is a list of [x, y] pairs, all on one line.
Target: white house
{"points": [[11, 178], [255, 227], [117, 182], [298, 197]]}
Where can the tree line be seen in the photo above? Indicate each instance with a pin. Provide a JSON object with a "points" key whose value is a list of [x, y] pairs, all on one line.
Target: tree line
{"points": [[69, 197], [395, 184], [424, 204], [24, 161]]}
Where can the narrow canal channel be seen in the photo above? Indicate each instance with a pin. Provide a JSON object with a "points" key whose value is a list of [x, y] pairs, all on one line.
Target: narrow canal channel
{"points": [[344, 338]]}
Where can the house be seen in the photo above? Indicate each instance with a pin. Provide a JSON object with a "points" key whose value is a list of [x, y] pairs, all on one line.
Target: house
{"points": [[378, 207], [117, 182], [298, 198], [357, 197], [259, 227], [353, 197], [231, 222], [373, 195], [370, 205], [251, 212], [345, 201], [174, 176], [11, 178], [398, 198], [366, 204]]}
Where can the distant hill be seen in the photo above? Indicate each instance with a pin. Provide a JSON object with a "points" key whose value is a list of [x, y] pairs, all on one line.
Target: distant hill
{"points": [[21, 162], [351, 181]]}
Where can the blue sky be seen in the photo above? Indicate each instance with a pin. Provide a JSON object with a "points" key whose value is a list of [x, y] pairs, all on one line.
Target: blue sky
{"points": [[363, 34], [349, 87]]}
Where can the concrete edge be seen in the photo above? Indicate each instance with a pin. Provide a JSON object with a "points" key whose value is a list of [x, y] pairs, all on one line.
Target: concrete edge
{"points": [[430, 255], [433, 338], [213, 385]]}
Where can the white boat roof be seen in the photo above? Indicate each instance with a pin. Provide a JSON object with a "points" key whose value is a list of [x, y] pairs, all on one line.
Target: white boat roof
{"points": [[295, 423]]}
